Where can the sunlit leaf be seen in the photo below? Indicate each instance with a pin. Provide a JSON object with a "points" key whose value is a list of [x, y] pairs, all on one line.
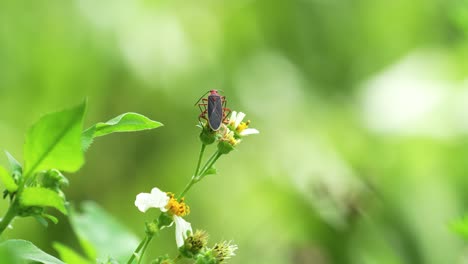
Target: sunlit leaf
{"points": [[54, 142], [14, 164], [28, 252], [68, 255], [101, 235], [7, 180], [127, 122], [37, 196]]}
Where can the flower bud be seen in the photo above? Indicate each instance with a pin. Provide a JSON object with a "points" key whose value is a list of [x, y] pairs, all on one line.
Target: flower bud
{"points": [[54, 179], [207, 136], [224, 147], [206, 257], [223, 251], [194, 244], [163, 260], [151, 228]]}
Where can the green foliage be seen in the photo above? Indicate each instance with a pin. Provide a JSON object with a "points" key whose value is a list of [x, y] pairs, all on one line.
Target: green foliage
{"points": [[14, 164], [54, 142], [101, 235], [28, 252], [42, 197], [127, 122], [210, 171], [8, 180], [68, 255], [460, 227]]}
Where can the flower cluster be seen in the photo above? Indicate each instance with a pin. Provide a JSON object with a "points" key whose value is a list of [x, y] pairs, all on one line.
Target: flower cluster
{"points": [[230, 134], [167, 204], [194, 245]]}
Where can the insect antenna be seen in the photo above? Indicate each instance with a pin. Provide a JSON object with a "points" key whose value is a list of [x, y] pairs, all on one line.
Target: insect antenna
{"points": [[201, 98]]}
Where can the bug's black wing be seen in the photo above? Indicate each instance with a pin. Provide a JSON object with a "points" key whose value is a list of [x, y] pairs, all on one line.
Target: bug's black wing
{"points": [[215, 111]]}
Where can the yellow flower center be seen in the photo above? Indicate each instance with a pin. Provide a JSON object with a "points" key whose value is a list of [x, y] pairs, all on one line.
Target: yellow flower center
{"points": [[175, 207], [242, 126]]}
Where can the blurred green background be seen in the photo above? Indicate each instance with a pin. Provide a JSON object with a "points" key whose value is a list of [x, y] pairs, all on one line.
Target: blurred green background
{"points": [[362, 107]]}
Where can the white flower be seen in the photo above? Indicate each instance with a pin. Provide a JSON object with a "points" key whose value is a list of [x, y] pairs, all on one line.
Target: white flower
{"points": [[236, 124], [166, 202], [155, 199], [181, 228]]}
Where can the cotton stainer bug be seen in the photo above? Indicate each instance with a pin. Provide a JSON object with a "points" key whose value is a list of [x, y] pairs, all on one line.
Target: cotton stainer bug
{"points": [[213, 109]]}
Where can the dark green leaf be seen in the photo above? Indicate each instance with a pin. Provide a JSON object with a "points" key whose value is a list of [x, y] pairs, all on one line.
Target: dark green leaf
{"points": [[54, 142], [42, 197], [68, 255], [7, 180], [28, 252], [101, 235], [127, 122]]}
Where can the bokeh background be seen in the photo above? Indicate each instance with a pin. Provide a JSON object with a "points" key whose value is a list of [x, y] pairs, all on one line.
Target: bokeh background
{"points": [[362, 107]]}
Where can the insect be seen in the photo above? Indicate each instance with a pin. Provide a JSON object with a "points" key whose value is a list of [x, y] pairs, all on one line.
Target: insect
{"points": [[213, 109]]}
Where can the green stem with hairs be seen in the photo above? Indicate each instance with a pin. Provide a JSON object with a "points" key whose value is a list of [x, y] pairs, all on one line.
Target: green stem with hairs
{"points": [[140, 246], [148, 240]]}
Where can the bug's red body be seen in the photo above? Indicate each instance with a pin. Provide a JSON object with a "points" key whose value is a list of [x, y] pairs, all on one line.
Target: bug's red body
{"points": [[213, 109]]}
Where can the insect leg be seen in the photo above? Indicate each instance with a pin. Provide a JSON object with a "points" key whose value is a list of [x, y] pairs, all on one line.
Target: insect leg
{"points": [[226, 111]]}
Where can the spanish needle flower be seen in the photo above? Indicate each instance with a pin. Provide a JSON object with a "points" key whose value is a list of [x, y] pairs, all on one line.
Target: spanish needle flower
{"points": [[166, 202], [223, 251], [240, 128]]}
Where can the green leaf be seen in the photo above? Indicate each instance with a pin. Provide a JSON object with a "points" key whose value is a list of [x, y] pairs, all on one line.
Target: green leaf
{"points": [[68, 255], [7, 180], [14, 164], [28, 252], [54, 142], [51, 218], [37, 196], [41, 220], [210, 171], [127, 122], [101, 235]]}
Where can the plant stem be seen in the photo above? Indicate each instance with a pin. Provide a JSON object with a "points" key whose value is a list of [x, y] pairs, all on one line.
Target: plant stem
{"points": [[202, 151], [206, 167], [215, 158], [14, 205], [9, 216], [144, 248], [197, 177], [140, 246]]}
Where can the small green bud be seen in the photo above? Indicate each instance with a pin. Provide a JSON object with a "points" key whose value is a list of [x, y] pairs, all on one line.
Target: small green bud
{"points": [[151, 228], [206, 257], [224, 147], [163, 260], [164, 220], [54, 179], [194, 244], [207, 136]]}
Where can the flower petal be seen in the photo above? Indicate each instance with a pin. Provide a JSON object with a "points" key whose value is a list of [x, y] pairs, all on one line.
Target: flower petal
{"points": [[181, 228], [155, 199], [240, 116], [249, 131], [232, 119]]}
